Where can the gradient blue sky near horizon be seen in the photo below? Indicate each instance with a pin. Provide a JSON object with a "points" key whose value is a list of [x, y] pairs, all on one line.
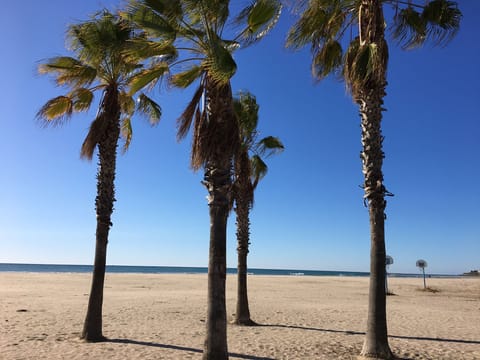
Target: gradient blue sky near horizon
{"points": [[308, 213]]}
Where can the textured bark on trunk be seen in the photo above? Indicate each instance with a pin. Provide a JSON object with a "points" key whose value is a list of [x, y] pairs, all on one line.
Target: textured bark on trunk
{"points": [[376, 339], [218, 180], [243, 199], [370, 98], [107, 149]]}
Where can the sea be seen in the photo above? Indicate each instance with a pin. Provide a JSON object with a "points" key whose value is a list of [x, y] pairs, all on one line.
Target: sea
{"points": [[128, 269]]}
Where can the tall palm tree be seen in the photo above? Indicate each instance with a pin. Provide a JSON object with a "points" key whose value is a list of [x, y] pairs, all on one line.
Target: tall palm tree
{"points": [[202, 53], [98, 66], [249, 169], [323, 24]]}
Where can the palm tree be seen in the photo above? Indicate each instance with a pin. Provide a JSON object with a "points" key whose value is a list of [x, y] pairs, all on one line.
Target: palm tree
{"points": [[323, 24], [98, 66], [202, 54], [249, 169]]}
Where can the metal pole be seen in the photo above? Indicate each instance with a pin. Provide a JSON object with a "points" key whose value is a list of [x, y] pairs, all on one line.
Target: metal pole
{"points": [[424, 283]]}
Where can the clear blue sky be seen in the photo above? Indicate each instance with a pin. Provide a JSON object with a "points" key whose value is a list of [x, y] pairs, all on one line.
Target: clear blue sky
{"points": [[308, 212]]}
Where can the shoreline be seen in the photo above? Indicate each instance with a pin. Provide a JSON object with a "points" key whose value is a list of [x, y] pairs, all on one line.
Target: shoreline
{"points": [[141, 269], [161, 316]]}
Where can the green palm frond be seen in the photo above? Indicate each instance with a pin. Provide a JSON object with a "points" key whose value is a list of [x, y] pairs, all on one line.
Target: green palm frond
{"points": [[169, 8], [68, 71], [246, 109], [127, 104], [409, 28], [56, 110], [104, 35], [308, 27], [320, 22], [149, 108], [219, 63], [157, 18], [141, 49], [148, 77], [184, 122], [260, 17], [82, 99], [100, 46], [439, 22], [127, 133], [197, 30], [324, 25], [269, 146], [364, 63], [215, 12], [328, 60], [186, 78], [259, 169]]}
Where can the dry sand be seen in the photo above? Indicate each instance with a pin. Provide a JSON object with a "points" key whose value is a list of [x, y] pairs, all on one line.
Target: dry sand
{"points": [[162, 317]]}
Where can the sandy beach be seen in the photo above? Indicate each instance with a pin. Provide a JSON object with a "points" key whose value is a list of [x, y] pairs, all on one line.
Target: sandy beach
{"points": [[153, 316]]}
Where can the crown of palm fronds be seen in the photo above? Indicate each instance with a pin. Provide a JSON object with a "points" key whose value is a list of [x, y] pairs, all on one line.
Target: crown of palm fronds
{"points": [[251, 147], [191, 34], [325, 25], [99, 62]]}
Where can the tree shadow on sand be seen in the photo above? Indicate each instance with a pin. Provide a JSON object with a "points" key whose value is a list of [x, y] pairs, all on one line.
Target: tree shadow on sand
{"points": [[182, 348], [348, 332]]}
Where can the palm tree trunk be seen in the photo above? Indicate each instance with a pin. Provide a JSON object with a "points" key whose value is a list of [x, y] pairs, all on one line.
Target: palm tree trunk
{"points": [[107, 152], [376, 340], [370, 98], [217, 179], [242, 315], [243, 200], [217, 142]]}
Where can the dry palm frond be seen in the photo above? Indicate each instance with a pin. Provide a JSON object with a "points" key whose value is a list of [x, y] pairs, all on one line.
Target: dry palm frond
{"points": [[184, 122], [95, 134], [56, 111]]}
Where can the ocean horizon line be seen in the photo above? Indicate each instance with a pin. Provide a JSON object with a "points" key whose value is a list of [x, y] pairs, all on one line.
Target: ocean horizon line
{"points": [[159, 269]]}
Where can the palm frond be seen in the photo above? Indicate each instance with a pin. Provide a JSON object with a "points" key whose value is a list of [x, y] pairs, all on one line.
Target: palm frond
{"points": [[328, 60], [246, 109], [319, 23], [157, 18], [219, 62], [95, 133], [364, 63], [216, 129], [259, 169], [443, 20], [140, 49], [186, 78], [148, 77], [409, 28], [56, 111], [103, 36], [439, 22], [149, 108], [259, 17], [269, 146], [68, 71], [212, 14], [82, 99], [127, 104], [127, 133], [169, 8], [184, 122], [103, 31]]}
